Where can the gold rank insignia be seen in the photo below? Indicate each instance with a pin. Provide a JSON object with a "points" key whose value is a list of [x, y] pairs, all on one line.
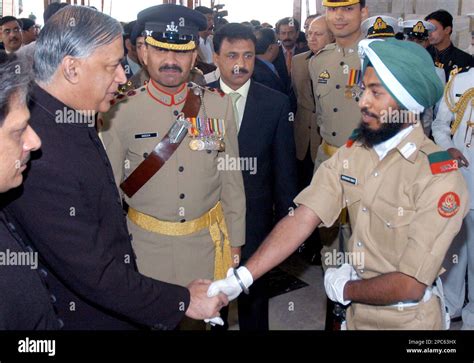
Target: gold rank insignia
{"points": [[324, 77], [419, 27]]}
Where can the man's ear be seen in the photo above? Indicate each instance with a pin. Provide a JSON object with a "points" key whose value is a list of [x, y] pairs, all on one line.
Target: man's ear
{"points": [[215, 57], [195, 54], [71, 68], [128, 45]]}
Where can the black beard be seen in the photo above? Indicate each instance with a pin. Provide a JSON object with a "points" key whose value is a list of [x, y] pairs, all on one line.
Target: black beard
{"points": [[370, 138]]}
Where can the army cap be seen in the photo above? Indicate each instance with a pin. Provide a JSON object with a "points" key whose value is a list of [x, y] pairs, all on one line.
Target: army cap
{"points": [[137, 31], [380, 26], [172, 27], [337, 4], [419, 29]]}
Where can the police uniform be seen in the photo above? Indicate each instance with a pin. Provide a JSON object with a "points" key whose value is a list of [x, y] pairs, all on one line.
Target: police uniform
{"points": [[401, 220], [458, 106], [184, 218], [405, 197]]}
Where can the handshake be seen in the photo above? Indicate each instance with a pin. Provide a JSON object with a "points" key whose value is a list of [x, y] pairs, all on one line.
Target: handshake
{"points": [[220, 292]]}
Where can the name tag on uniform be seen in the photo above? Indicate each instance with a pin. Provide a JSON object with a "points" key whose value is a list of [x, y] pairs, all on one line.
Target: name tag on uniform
{"points": [[349, 179], [146, 136]]}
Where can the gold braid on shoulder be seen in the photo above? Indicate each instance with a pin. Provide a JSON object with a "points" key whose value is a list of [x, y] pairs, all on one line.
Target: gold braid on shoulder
{"points": [[460, 107]]}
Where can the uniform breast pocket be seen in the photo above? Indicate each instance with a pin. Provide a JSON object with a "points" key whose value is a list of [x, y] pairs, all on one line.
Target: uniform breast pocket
{"points": [[352, 197], [390, 226], [139, 149]]}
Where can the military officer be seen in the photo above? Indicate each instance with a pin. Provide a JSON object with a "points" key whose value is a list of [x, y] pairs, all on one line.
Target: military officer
{"points": [[190, 214], [334, 73], [142, 77], [405, 196], [458, 106], [307, 138], [418, 31]]}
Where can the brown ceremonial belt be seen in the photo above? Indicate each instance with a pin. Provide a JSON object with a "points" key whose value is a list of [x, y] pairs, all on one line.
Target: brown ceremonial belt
{"points": [[161, 153]]}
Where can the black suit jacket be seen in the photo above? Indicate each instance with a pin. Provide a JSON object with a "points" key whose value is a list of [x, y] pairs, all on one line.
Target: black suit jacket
{"points": [[26, 303], [267, 135], [264, 75], [70, 210], [280, 65]]}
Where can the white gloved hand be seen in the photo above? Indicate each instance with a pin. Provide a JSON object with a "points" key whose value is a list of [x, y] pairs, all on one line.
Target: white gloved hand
{"points": [[335, 279], [230, 286], [215, 321]]}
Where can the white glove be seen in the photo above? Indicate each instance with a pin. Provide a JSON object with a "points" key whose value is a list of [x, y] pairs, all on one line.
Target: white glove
{"points": [[215, 321], [335, 279], [230, 285]]}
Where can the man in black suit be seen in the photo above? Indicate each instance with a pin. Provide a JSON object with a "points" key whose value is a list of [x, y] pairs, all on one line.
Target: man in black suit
{"points": [[267, 148], [266, 52], [25, 303], [69, 206], [287, 31]]}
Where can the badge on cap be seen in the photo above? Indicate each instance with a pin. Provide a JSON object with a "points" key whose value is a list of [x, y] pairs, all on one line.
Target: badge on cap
{"points": [[449, 204]]}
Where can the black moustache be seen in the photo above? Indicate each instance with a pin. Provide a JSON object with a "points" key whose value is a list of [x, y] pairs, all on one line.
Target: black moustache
{"points": [[170, 68], [366, 112]]}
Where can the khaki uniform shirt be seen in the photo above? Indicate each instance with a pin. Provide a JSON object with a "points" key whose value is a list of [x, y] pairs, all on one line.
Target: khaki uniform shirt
{"points": [[305, 126], [403, 219], [185, 188], [338, 114]]}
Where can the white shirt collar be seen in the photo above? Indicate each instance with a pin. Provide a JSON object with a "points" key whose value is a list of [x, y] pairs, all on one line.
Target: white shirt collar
{"points": [[134, 66], [243, 91], [383, 148]]}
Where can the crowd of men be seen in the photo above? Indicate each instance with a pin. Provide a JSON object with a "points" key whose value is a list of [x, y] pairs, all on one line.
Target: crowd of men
{"points": [[176, 159]]}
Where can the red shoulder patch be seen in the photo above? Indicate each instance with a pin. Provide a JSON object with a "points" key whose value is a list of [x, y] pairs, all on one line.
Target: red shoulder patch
{"points": [[449, 204]]}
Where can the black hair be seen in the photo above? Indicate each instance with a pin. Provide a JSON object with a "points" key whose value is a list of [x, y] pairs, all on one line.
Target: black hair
{"points": [[233, 31], [7, 19], [15, 78], [287, 21], [265, 38], [443, 17], [27, 23]]}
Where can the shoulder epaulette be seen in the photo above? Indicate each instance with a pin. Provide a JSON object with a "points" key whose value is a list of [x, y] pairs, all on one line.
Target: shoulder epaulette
{"points": [[353, 138], [119, 97], [442, 162], [330, 46], [216, 91]]}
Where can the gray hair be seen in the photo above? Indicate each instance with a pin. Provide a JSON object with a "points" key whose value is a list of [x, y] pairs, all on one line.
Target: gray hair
{"points": [[75, 31], [15, 78]]}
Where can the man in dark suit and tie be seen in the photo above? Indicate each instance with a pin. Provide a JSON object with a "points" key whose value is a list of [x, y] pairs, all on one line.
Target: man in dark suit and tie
{"points": [[266, 52], [267, 153], [287, 31]]}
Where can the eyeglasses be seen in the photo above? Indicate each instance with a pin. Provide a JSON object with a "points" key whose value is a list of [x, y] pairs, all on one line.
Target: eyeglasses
{"points": [[9, 31]]}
